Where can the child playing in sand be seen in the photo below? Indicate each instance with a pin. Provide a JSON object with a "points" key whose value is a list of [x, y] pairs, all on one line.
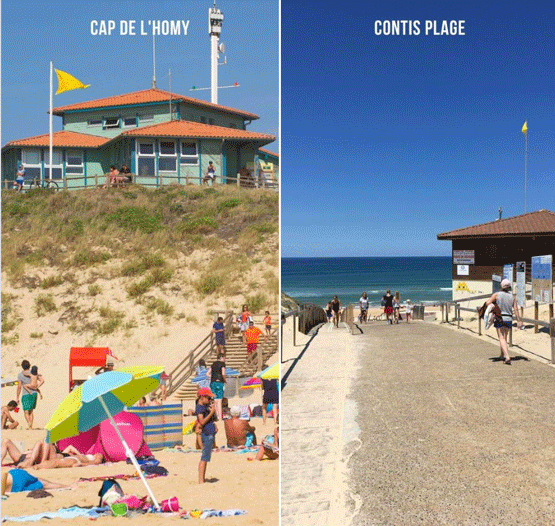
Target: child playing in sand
{"points": [[268, 323], [7, 421]]}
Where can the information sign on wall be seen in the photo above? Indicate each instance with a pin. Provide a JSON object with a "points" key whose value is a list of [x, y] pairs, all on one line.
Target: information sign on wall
{"points": [[542, 279], [462, 270], [463, 257], [521, 283]]}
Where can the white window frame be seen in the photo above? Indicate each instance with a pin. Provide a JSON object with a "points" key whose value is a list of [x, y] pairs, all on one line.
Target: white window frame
{"points": [[28, 165], [146, 155], [184, 156], [75, 169], [95, 123], [167, 155], [59, 166], [113, 126]]}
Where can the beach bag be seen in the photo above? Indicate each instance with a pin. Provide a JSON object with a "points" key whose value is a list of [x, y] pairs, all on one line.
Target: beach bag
{"points": [[109, 485], [170, 505]]}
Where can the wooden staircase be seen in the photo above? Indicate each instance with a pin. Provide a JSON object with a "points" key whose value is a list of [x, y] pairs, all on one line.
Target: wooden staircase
{"points": [[236, 358]]}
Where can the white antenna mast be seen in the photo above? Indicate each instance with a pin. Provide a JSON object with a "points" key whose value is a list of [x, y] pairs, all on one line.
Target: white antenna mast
{"points": [[215, 20], [153, 63]]}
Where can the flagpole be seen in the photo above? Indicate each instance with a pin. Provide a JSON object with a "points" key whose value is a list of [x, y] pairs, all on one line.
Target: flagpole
{"points": [[51, 104], [525, 167]]}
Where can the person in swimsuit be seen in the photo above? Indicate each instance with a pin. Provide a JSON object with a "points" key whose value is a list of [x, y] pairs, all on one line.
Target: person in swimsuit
{"points": [[329, 313], [16, 480], [388, 305], [336, 310], [508, 306], [73, 460]]}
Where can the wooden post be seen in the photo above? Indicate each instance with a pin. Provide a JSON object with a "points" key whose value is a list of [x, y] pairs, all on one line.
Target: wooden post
{"points": [[552, 334], [536, 316], [442, 315], [294, 329], [447, 308], [259, 367], [511, 336], [479, 322]]}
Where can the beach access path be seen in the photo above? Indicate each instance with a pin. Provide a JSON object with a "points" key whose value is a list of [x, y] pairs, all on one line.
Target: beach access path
{"points": [[419, 426]]}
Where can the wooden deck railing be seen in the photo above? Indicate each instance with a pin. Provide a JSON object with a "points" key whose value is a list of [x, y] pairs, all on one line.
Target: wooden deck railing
{"points": [[75, 182]]}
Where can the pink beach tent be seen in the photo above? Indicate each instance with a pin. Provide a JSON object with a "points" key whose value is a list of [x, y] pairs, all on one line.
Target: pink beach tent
{"points": [[104, 439]]}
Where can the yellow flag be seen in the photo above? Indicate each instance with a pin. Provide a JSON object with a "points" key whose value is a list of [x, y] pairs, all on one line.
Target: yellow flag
{"points": [[525, 127], [67, 82]]}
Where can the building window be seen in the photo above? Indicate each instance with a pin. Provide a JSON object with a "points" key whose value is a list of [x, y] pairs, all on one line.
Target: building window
{"points": [[129, 121], [189, 153], [203, 120], [232, 125], [74, 162], [57, 164], [211, 121], [147, 118], [111, 123], [31, 161], [94, 123], [145, 159], [167, 160]]}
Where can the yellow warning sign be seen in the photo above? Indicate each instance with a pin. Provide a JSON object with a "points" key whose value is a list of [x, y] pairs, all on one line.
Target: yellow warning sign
{"points": [[462, 287]]}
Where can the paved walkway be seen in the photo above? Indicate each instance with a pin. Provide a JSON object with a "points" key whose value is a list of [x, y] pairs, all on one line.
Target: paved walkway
{"points": [[448, 436]]}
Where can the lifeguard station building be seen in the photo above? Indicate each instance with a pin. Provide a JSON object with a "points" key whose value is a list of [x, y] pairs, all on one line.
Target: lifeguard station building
{"points": [[481, 251], [162, 137]]}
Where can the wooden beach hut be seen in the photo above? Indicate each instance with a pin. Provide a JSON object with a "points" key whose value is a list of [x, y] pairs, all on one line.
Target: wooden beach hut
{"points": [[480, 251]]}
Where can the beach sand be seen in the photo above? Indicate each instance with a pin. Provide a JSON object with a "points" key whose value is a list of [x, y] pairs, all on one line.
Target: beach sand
{"points": [[233, 482]]}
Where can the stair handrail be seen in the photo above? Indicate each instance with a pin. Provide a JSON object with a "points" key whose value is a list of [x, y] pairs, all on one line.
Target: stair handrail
{"points": [[187, 367]]}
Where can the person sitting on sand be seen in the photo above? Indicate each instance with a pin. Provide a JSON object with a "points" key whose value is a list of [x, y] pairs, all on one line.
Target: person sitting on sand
{"points": [[74, 460], [269, 447], [7, 421], [237, 431], [16, 480]]}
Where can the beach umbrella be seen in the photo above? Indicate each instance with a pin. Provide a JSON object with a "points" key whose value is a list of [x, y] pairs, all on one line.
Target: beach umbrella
{"points": [[102, 397], [271, 373], [252, 383]]}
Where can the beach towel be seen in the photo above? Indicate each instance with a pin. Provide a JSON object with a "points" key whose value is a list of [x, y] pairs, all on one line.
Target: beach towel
{"points": [[64, 513]]}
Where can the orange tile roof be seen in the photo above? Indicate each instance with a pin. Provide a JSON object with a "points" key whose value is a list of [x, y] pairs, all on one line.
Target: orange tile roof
{"points": [[268, 152], [144, 97], [540, 222], [196, 129], [62, 139]]}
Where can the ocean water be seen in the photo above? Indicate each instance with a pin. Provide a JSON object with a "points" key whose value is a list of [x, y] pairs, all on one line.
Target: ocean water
{"points": [[316, 280]]}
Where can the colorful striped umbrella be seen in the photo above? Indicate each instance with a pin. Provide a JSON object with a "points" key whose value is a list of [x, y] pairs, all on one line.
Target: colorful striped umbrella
{"points": [[271, 373], [101, 397], [252, 383]]}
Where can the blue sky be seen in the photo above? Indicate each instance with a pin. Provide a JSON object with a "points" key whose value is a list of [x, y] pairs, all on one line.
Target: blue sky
{"points": [[36, 32], [389, 140]]}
